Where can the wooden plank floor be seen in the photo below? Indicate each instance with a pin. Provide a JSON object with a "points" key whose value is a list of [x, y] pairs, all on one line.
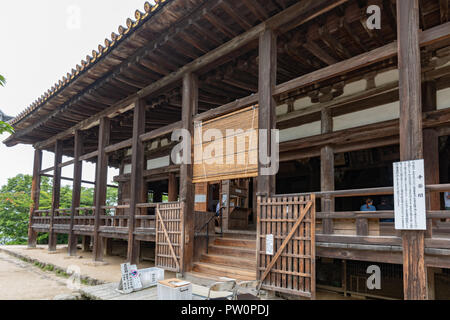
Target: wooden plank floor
{"points": [[108, 292]]}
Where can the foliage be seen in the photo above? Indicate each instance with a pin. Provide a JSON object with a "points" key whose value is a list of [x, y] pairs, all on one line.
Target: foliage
{"points": [[15, 203], [4, 127]]}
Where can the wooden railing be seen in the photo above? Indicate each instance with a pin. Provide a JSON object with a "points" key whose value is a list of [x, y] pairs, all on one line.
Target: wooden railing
{"points": [[41, 218], [114, 217], [84, 219], [143, 221], [61, 219]]}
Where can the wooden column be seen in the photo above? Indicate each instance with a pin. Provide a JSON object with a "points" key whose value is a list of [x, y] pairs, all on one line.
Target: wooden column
{"points": [[76, 189], [189, 108], [411, 144], [267, 106], [86, 243], [136, 183], [327, 171], [35, 193], [173, 187], [100, 184], [56, 192], [431, 150]]}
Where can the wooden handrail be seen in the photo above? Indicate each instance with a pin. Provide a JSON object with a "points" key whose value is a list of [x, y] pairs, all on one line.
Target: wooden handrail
{"points": [[364, 192]]}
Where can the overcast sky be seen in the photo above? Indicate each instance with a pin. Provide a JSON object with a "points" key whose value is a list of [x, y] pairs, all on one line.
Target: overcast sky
{"points": [[40, 42]]}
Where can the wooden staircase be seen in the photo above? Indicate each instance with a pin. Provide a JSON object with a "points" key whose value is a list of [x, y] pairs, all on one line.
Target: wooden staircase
{"points": [[232, 256]]}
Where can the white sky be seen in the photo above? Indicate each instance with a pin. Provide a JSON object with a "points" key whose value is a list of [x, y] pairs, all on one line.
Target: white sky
{"points": [[40, 42]]}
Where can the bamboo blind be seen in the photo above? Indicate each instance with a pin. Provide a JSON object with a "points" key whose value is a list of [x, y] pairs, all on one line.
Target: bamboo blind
{"points": [[231, 155]]}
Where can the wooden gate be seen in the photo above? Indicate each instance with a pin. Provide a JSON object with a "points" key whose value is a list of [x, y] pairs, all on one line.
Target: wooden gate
{"points": [[169, 239], [287, 266]]}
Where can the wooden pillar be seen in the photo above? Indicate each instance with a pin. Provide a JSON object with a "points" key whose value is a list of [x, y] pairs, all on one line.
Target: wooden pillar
{"points": [[86, 243], [137, 182], [431, 151], [411, 143], [107, 247], [76, 189], [101, 184], [189, 108], [173, 187], [267, 106], [35, 193], [56, 192], [327, 171]]}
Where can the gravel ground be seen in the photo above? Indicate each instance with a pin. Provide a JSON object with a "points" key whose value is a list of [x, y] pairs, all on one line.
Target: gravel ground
{"points": [[23, 281]]}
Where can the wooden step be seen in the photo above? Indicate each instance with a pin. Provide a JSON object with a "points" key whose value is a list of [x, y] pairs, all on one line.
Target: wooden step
{"points": [[239, 243], [229, 261], [232, 251], [224, 271], [248, 235]]}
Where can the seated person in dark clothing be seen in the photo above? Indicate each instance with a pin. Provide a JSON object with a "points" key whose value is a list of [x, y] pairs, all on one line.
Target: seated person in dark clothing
{"points": [[385, 206]]}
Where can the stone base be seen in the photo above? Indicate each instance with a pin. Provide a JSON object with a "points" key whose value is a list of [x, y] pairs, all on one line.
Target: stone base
{"points": [[73, 257], [95, 263]]}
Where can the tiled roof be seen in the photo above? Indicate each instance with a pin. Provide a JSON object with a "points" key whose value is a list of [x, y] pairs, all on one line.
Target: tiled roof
{"points": [[102, 50]]}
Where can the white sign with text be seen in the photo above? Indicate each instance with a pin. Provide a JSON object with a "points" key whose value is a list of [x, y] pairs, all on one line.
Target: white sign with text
{"points": [[409, 195]]}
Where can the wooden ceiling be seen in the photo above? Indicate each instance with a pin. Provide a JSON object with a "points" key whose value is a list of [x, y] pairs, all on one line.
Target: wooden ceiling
{"points": [[180, 31]]}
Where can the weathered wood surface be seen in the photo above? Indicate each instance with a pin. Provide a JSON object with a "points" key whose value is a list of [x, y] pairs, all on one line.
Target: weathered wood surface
{"points": [[56, 193], [35, 195], [411, 142], [101, 183], [291, 221], [266, 111], [189, 109], [76, 190], [108, 292], [169, 236], [137, 183]]}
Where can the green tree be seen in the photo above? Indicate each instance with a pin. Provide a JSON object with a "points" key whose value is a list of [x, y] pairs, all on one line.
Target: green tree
{"points": [[15, 202], [5, 127]]}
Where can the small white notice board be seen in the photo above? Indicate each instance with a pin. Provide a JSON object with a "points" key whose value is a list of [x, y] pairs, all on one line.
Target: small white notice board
{"points": [[409, 195], [269, 244]]}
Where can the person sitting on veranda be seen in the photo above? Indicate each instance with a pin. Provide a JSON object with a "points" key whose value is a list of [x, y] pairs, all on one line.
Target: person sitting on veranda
{"points": [[447, 200], [368, 206], [385, 206]]}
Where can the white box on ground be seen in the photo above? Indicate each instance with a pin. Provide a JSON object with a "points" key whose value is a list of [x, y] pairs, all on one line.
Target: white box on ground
{"points": [[151, 276], [174, 289], [409, 195]]}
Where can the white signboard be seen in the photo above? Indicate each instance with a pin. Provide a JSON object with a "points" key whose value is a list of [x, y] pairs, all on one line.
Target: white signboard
{"points": [[269, 244], [409, 195]]}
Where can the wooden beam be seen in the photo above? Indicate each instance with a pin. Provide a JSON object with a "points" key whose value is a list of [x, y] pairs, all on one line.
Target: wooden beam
{"points": [[267, 105], [161, 131], [119, 146], [300, 13], [89, 156], [56, 192], [190, 105], [411, 144], [427, 37], [100, 184], [137, 183], [35, 195], [327, 170], [173, 187], [76, 190]]}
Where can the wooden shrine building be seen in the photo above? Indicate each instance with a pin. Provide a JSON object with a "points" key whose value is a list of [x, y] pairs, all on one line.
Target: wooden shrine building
{"points": [[352, 86]]}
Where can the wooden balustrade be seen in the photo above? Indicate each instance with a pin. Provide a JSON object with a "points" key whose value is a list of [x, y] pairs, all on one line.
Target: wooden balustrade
{"points": [[374, 224]]}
